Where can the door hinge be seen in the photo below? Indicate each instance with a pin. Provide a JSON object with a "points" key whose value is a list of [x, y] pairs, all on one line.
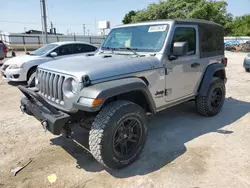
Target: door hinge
{"points": [[168, 71], [168, 91]]}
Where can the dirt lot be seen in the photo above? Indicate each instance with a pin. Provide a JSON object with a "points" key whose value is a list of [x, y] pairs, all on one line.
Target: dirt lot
{"points": [[183, 148]]}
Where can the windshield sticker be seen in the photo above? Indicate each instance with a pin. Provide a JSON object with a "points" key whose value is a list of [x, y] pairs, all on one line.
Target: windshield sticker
{"points": [[158, 28], [127, 43]]}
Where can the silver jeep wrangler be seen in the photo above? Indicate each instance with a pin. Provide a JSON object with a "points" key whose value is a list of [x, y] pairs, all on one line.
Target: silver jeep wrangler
{"points": [[140, 69]]}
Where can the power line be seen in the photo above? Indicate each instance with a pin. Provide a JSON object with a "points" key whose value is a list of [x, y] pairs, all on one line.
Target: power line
{"points": [[38, 23], [8, 21]]}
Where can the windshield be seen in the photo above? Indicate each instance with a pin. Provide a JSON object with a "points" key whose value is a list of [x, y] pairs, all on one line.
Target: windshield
{"points": [[43, 50], [144, 38]]}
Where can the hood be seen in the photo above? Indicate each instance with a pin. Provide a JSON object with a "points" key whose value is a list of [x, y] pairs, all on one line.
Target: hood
{"points": [[20, 60], [101, 66]]}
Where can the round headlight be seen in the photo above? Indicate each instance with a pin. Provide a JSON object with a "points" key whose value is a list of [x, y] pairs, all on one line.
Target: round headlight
{"points": [[73, 86], [70, 87]]}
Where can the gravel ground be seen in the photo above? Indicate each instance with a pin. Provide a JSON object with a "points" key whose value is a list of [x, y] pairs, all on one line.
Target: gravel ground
{"points": [[183, 148]]}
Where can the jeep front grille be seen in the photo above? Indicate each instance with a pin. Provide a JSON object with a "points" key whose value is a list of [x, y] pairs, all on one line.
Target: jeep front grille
{"points": [[50, 86]]}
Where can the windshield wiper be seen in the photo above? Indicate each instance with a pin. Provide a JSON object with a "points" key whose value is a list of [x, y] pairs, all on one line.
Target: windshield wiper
{"points": [[131, 49], [108, 48]]}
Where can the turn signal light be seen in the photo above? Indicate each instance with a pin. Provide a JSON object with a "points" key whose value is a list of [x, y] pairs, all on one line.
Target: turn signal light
{"points": [[97, 101]]}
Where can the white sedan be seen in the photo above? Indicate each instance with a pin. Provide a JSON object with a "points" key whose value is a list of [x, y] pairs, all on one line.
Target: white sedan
{"points": [[23, 68]]}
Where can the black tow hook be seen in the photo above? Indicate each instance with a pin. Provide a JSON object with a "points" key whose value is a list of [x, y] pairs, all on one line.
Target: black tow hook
{"points": [[22, 109], [45, 125], [25, 111]]}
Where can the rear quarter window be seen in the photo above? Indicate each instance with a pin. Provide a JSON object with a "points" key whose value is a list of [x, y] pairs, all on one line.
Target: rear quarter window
{"points": [[211, 41]]}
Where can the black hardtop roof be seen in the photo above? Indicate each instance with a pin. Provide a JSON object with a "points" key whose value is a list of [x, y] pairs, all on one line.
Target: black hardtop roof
{"points": [[196, 21], [187, 21]]}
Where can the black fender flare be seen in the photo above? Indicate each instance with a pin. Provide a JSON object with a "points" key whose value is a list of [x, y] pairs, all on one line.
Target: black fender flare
{"points": [[114, 88], [208, 77]]}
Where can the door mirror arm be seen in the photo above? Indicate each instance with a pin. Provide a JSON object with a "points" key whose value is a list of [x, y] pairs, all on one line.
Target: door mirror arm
{"points": [[172, 57]]}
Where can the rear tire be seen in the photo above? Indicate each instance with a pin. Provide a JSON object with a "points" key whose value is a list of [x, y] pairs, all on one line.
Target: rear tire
{"points": [[211, 104], [118, 134], [247, 70]]}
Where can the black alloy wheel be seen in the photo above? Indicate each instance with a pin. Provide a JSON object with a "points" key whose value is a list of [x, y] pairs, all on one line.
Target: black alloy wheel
{"points": [[127, 137]]}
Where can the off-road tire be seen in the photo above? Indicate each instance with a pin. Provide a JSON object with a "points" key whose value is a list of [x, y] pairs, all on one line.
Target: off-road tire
{"points": [[31, 77], [104, 127], [203, 103]]}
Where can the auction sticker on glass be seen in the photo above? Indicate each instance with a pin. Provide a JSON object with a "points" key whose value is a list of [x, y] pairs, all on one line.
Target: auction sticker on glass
{"points": [[157, 28]]}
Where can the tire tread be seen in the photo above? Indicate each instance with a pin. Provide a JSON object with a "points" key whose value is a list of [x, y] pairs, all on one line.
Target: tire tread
{"points": [[98, 127], [201, 101]]}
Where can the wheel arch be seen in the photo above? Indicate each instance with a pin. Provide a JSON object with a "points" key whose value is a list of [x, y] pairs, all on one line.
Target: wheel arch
{"points": [[130, 89], [214, 70], [136, 96], [30, 71]]}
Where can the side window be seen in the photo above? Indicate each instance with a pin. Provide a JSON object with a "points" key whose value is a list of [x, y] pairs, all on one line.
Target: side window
{"points": [[66, 49], [84, 48], [185, 34]]}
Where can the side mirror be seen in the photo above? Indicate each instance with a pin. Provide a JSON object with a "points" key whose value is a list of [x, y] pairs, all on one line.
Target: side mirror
{"points": [[53, 54], [180, 48]]}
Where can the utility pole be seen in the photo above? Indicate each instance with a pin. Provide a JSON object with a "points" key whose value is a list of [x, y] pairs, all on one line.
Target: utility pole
{"points": [[45, 21], [88, 32], [51, 28], [84, 29], [95, 26]]}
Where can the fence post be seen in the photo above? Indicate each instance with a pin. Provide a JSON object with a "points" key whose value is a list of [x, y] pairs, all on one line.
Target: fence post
{"points": [[74, 37], [39, 40], [23, 40], [57, 38], [90, 41], [24, 44]]}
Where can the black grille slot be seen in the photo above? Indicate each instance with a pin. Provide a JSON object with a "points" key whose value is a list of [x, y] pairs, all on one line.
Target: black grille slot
{"points": [[51, 86]]}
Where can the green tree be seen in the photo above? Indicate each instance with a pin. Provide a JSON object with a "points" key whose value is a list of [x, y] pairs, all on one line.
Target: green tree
{"points": [[128, 17], [200, 9], [212, 10], [240, 26]]}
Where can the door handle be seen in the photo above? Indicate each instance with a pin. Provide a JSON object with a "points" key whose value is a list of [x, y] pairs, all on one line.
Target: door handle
{"points": [[194, 65]]}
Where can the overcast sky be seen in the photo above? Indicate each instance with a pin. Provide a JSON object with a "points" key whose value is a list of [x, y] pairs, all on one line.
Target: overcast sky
{"points": [[70, 15]]}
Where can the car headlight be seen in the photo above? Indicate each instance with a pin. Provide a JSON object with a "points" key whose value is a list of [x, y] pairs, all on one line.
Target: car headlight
{"points": [[70, 87], [16, 66], [73, 86]]}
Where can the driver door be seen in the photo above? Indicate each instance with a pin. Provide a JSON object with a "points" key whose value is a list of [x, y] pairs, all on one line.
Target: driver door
{"points": [[182, 74]]}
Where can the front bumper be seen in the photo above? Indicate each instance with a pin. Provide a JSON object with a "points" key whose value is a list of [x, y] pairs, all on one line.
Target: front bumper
{"points": [[14, 75], [52, 119]]}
